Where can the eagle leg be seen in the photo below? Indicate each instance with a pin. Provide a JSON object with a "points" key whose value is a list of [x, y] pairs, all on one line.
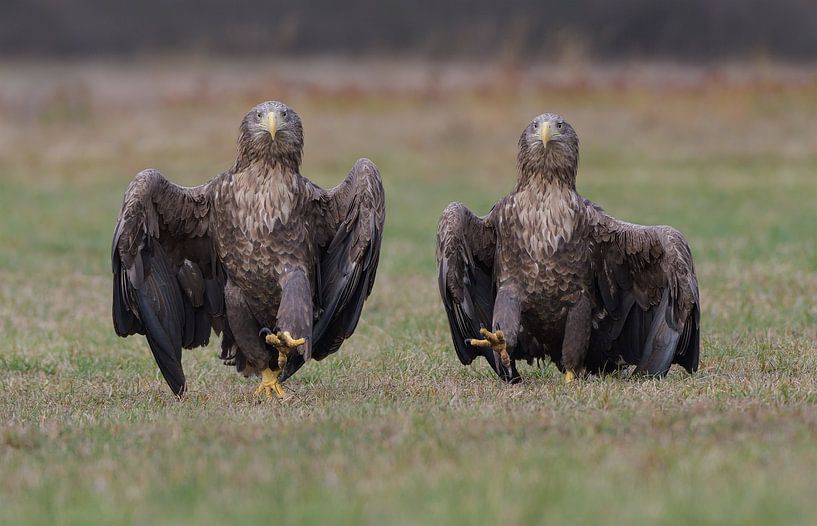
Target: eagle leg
{"points": [[283, 343], [496, 342], [294, 316], [576, 338], [270, 384]]}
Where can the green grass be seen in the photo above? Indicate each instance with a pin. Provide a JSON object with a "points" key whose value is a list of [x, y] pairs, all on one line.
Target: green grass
{"points": [[393, 429]]}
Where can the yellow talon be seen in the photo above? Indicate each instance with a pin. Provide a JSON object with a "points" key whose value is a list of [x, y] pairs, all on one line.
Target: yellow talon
{"points": [[284, 339], [284, 342], [270, 384], [291, 342], [569, 376], [496, 342], [279, 390]]}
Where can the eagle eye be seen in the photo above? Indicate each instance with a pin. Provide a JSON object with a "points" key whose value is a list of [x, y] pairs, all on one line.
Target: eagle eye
{"points": [[258, 114], [559, 125], [284, 113]]}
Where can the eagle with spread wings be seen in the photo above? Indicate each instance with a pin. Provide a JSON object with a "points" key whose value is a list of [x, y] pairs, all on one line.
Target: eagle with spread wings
{"points": [[547, 273], [275, 264]]}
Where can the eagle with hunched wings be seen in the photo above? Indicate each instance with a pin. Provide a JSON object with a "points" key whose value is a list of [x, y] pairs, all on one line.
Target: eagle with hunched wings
{"points": [[549, 274], [275, 264]]}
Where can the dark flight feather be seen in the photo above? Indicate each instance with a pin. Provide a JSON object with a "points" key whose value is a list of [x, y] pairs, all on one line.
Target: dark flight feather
{"points": [[153, 293], [465, 259], [350, 235]]}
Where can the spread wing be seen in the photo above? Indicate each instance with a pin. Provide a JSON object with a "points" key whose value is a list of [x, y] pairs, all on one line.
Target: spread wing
{"points": [[648, 307], [349, 231], [167, 283], [466, 247]]}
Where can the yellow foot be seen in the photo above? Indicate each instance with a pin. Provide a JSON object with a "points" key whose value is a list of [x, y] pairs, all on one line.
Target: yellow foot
{"points": [[270, 384], [496, 342], [284, 342], [569, 376]]}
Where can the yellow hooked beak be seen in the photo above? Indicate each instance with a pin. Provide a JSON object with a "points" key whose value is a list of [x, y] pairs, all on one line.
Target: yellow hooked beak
{"points": [[271, 123], [547, 132]]}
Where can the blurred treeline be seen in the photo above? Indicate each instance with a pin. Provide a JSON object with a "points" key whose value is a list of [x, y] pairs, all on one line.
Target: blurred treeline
{"points": [[684, 30]]}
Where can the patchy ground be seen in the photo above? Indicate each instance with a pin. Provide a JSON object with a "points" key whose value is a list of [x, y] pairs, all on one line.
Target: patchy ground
{"points": [[393, 429]]}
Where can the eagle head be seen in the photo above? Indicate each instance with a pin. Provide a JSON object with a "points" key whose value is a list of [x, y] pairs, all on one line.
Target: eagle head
{"points": [[549, 147], [272, 131]]}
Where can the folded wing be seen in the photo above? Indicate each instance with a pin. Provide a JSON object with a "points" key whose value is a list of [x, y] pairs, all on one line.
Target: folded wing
{"points": [[349, 231], [647, 304], [465, 273], [167, 282]]}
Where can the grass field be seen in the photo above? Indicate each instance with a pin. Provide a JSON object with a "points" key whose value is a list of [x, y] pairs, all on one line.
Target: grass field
{"points": [[393, 429]]}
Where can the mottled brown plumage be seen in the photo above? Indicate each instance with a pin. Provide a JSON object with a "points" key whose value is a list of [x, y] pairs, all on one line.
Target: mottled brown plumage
{"points": [[552, 275], [257, 250]]}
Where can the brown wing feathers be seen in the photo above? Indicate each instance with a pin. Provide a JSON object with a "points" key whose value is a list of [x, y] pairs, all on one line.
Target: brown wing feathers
{"points": [[647, 296], [157, 290], [350, 231], [465, 262], [466, 282]]}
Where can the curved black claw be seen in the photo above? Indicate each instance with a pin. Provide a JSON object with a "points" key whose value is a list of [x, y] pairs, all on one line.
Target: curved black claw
{"points": [[264, 332]]}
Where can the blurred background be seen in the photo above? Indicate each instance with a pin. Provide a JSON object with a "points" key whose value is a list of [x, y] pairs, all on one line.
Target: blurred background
{"points": [[698, 114], [689, 30]]}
